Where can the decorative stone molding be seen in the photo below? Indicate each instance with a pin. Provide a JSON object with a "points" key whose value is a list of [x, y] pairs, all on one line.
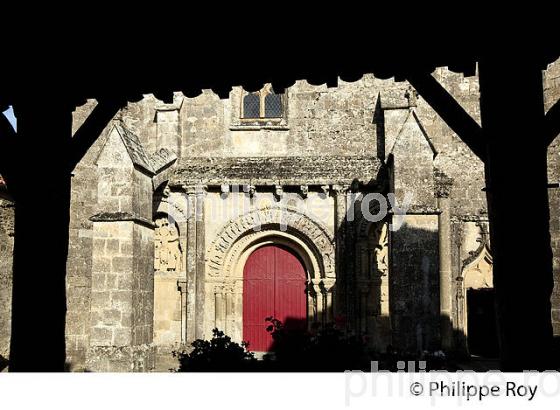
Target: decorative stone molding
{"points": [[483, 247], [239, 232], [121, 217], [363, 225], [174, 206]]}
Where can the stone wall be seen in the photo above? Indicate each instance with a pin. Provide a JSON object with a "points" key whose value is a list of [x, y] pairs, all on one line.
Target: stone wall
{"points": [[353, 120], [551, 80], [78, 269], [345, 123], [414, 278], [6, 252]]}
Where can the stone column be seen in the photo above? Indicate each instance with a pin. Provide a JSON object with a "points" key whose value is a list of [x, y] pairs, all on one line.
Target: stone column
{"points": [[342, 271], [195, 261], [200, 252], [311, 303], [190, 257], [328, 288], [229, 310], [182, 287], [443, 188], [219, 309], [320, 316]]}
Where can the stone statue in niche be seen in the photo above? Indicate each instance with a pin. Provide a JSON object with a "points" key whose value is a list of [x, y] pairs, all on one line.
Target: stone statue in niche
{"points": [[167, 256]]}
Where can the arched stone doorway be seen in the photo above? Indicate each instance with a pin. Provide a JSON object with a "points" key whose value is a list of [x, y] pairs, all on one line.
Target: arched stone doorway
{"points": [[274, 285], [238, 240]]}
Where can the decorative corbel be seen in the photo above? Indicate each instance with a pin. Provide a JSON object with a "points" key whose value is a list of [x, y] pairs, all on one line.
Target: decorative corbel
{"points": [[278, 192]]}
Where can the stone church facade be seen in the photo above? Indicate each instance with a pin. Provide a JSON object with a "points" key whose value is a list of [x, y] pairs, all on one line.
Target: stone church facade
{"points": [[379, 201]]}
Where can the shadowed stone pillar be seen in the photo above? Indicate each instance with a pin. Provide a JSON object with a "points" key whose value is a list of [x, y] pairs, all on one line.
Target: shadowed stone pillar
{"points": [[443, 189], [344, 304]]}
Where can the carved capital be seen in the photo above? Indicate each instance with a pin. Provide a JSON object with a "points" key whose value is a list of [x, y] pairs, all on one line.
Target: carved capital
{"points": [[182, 286], [224, 190], [200, 190], [189, 189], [250, 189], [341, 189], [443, 184], [411, 96]]}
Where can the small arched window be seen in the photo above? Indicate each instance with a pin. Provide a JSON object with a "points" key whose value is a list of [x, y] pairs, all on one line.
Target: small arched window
{"points": [[263, 105]]}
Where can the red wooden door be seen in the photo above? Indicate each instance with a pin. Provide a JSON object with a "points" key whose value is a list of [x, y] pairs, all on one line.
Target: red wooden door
{"points": [[274, 285]]}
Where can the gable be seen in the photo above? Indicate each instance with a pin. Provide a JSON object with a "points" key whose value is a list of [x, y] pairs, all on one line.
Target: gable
{"points": [[412, 139]]}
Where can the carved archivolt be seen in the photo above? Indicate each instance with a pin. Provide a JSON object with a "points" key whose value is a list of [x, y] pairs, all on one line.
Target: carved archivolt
{"points": [[174, 205], [312, 241], [478, 273]]}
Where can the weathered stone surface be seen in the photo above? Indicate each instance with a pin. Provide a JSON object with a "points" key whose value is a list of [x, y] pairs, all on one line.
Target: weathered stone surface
{"points": [[6, 250], [368, 136], [277, 170]]}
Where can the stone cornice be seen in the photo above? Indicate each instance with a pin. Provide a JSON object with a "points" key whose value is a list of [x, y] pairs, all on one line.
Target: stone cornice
{"points": [[121, 217], [281, 171]]}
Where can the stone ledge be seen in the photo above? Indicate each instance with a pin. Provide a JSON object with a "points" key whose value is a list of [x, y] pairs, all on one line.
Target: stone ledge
{"points": [[291, 170], [121, 217]]}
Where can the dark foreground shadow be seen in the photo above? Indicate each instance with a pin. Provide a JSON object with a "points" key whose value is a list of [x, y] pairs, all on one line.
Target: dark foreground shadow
{"points": [[297, 349]]}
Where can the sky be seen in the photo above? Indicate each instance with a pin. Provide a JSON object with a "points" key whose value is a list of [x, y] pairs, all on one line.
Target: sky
{"points": [[9, 113]]}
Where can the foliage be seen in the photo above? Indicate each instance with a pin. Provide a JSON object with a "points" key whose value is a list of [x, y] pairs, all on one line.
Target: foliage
{"points": [[322, 348], [219, 354], [296, 348]]}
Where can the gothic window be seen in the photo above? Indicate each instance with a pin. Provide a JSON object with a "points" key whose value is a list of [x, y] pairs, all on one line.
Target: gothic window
{"points": [[263, 106]]}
